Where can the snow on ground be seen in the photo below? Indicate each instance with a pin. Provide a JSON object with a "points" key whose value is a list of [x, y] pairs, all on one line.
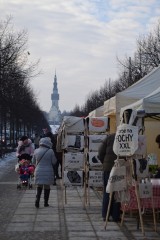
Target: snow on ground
{"points": [[6, 163]]}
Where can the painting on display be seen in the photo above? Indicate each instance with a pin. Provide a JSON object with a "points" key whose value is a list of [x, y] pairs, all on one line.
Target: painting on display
{"points": [[73, 178], [94, 142]]}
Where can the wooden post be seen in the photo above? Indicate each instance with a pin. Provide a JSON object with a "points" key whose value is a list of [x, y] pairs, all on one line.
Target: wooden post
{"points": [[154, 215], [138, 198], [108, 210], [65, 194]]}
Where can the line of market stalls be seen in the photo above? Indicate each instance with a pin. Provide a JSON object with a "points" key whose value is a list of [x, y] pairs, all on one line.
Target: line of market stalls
{"points": [[149, 108], [134, 93]]}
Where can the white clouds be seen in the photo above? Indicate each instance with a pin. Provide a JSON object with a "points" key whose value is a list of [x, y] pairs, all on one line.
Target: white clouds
{"points": [[80, 39]]}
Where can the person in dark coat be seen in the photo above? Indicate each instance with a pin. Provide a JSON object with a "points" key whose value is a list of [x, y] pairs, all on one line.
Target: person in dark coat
{"points": [[107, 158], [58, 155], [44, 160], [36, 140]]}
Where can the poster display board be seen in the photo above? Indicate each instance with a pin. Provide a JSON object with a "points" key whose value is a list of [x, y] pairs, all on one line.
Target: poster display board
{"points": [[93, 159], [94, 142], [95, 178], [73, 178], [97, 124], [74, 142], [73, 160]]}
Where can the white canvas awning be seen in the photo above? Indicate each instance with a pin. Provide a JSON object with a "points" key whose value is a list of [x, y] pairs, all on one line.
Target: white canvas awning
{"points": [[137, 91], [150, 104], [98, 112], [110, 106], [73, 124]]}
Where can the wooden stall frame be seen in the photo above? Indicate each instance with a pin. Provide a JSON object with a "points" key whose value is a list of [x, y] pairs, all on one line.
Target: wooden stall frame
{"points": [[138, 202]]}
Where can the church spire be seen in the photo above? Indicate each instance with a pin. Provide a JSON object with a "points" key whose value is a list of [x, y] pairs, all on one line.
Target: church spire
{"points": [[54, 115], [55, 95]]}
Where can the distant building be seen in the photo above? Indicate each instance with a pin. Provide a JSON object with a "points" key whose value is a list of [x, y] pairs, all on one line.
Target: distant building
{"points": [[54, 115]]}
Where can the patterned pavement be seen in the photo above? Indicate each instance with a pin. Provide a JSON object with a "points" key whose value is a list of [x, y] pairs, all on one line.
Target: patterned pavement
{"points": [[62, 220]]}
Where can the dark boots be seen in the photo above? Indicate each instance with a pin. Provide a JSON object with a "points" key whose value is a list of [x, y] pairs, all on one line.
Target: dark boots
{"points": [[38, 196], [46, 197]]}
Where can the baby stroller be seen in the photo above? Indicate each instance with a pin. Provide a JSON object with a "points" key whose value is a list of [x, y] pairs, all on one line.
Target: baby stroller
{"points": [[26, 172]]}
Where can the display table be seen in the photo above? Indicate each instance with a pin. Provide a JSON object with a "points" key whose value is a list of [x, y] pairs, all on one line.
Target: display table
{"points": [[145, 202]]}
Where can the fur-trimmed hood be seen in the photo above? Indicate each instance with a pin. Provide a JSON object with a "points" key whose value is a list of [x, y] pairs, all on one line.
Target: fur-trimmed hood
{"points": [[20, 143]]}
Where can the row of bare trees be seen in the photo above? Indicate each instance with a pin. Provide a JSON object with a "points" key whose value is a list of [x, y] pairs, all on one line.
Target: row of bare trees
{"points": [[19, 111], [145, 58]]}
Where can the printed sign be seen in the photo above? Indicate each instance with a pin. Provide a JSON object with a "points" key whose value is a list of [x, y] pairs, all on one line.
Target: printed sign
{"points": [[126, 140], [145, 190], [95, 178], [73, 160]]}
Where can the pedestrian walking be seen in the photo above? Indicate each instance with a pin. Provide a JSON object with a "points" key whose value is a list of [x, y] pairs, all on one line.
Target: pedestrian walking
{"points": [[25, 148], [58, 155], [44, 160], [36, 140]]}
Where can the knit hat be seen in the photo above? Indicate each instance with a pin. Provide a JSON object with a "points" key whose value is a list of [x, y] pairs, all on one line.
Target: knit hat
{"points": [[45, 142]]}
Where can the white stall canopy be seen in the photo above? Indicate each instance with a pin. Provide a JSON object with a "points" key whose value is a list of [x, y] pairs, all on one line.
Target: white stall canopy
{"points": [[98, 112], [139, 90], [72, 124], [110, 106], [149, 104]]}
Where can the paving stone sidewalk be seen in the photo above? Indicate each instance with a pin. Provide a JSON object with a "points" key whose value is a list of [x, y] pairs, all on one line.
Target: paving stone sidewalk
{"points": [[19, 219]]}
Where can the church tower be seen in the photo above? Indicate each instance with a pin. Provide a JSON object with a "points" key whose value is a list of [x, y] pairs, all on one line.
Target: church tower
{"points": [[54, 113], [55, 95]]}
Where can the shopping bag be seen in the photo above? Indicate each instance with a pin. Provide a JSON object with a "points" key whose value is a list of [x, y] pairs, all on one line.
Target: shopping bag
{"points": [[126, 140], [141, 168], [117, 179], [142, 145], [145, 190]]}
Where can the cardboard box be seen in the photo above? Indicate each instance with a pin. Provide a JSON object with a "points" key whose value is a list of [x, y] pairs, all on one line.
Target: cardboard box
{"points": [[73, 160], [73, 178]]}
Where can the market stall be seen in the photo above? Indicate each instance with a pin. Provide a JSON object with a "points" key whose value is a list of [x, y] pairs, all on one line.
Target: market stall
{"points": [[98, 112], [138, 192], [137, 91], [148, 108]]}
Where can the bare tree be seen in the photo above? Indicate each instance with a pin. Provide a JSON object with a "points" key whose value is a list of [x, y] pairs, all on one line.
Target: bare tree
{"points": [[17, 100]]}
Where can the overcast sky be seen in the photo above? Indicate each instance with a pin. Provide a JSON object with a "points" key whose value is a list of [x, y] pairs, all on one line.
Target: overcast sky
{"points": [[80, 39]]}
